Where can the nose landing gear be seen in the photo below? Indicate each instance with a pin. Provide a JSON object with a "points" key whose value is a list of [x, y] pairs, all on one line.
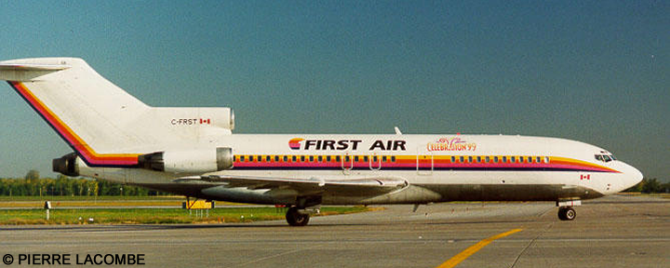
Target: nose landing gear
{"points": [[565, 210], [566, 213]]}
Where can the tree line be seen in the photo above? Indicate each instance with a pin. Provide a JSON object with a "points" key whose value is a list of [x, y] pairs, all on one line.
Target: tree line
{"points": [[650, 186], [33, 185]]}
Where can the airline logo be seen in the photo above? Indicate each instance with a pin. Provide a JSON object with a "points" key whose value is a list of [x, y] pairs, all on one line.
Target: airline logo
{"points": [[340, 145], [295, 143], [453, 144]]}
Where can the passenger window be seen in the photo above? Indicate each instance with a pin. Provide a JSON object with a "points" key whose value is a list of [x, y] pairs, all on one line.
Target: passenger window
{"points": [[469, 159], [267, 158], [365, 159], [347, 159], [461, 159], [488, 159], [320, 158], [479, 159], [276, 158], [294, 158], [285, 158], [311, 158], [384, 159], [537, 160], [504, 159], [328, 158], [302, 158], [392, 158], [355, 158], [495, 159], [512, 159], [546, 159], [337, 158], [251, 158], [453, 159], [242, 158], [375, 159]]}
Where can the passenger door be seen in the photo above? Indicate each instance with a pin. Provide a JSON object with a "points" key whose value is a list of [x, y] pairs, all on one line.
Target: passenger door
{"points": [[424, 161]]}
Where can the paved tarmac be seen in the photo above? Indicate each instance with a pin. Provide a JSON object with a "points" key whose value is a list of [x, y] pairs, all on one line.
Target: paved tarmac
{"points": [[616, 231]]}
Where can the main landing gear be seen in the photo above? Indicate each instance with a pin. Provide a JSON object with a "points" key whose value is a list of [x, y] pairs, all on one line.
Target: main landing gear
{"points": [[297, 217], [298, 213]]}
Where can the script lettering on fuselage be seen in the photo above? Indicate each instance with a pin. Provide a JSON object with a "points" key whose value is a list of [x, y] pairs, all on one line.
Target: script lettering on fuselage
{"points": [[342, 145], [451, 144]]}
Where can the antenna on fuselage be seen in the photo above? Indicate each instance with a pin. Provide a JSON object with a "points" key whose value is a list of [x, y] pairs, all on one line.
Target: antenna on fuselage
{"points": [[397, 131]]}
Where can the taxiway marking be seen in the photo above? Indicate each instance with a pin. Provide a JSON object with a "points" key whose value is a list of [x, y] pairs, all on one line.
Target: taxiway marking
{"points": [[455, 260]]}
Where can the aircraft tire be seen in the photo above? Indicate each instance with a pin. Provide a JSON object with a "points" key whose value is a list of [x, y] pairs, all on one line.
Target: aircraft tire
{"points": [[295, 218], [567, 213]]}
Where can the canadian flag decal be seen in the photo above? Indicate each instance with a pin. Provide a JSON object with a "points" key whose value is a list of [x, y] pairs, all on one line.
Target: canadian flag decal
{"points": [[205, 121]]}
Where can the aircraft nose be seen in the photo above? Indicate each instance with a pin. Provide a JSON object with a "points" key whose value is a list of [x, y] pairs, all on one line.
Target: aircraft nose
{"points": [[633, 176]]}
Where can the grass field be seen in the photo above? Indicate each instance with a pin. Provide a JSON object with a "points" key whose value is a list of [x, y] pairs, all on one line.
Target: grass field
{"points": [[88, 198], [154, 215], [100, 202], [136, 210]]}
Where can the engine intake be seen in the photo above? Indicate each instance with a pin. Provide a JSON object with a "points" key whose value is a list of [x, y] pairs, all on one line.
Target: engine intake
{"points": [[189, 161]]}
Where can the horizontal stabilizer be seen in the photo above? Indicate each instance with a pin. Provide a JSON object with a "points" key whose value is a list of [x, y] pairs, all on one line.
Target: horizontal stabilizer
{"points": [[32, 67], [24, 72]]}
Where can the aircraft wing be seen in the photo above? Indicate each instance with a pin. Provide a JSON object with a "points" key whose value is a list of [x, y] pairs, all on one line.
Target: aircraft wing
{"points": [[363, 187]]}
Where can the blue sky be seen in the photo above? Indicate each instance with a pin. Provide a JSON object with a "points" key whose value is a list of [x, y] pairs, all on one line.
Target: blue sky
{"points": [[594, 71]]}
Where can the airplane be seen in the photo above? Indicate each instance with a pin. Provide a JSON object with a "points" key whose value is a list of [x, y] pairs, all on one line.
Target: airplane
{"points": [[193, 152]]}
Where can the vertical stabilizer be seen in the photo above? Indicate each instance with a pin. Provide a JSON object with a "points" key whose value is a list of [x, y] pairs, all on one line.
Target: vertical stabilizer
{"points": [[105, 125]]}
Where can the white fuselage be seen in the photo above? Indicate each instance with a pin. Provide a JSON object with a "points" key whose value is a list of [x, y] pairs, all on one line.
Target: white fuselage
{"points": [[437, 167]]}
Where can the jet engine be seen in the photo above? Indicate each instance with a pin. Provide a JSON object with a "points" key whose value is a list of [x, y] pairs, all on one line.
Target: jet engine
{"points": [[188, 161], [66, 165]]}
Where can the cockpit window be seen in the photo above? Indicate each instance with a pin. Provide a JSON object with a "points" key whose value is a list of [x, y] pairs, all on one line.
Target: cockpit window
{"points": [[605, 157]]}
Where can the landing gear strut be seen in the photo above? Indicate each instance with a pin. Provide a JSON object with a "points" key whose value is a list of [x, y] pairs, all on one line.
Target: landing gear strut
{"points": [[295, 218], [566, 213]]}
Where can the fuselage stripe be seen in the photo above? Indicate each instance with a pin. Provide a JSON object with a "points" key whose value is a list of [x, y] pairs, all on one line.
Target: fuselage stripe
{"points": [[409, 162]]}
